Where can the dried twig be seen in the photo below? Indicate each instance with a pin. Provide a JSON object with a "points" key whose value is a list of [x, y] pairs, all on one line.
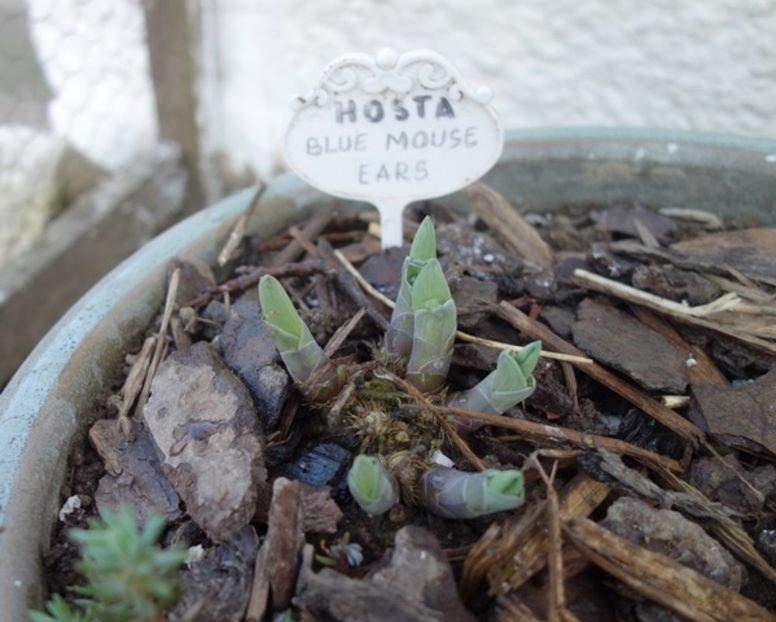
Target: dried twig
{"points": [[660, 578], [635, 396], [133, 385], [367, 287], [540, 432], [238, 231], [342, 333], [312, 230], [161, 342]]}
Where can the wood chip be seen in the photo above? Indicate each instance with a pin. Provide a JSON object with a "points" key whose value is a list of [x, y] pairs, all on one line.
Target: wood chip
{"points": [[661, 579], [509, 227]]}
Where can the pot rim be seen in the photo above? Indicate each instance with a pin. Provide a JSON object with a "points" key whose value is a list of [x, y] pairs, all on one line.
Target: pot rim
{"points": [[38, 404]]}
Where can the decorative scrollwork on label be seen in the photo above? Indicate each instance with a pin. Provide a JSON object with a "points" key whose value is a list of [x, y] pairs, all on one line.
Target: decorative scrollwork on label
{"points": [[388, 71]]}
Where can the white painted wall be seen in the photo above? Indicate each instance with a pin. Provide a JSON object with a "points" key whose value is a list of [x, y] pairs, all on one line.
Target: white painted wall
{"points": [[689, 64]]}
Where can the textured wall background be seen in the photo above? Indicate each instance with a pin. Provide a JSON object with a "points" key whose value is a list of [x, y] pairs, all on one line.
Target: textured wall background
{"points": [[696, 64]]}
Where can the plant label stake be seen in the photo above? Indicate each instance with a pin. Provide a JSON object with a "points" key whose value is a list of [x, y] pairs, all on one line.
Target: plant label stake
{"points": [[390, 129]]}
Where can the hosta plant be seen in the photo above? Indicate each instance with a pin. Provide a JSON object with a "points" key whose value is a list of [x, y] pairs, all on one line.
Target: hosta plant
{"points": [[419, 340]]}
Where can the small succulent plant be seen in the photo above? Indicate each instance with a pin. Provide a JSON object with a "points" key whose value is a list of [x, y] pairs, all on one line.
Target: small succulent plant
{"points": [[421, 336], [129, 579]]}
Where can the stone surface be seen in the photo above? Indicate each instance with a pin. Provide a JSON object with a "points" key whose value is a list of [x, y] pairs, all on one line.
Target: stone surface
{"points": [[203, 420], [217, 587], [622, 342], [250, 352], [669, 533], [134, 477]]}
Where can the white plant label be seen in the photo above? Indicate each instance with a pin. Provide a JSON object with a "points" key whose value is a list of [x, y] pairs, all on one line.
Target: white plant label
{"points": [[391, 129]]}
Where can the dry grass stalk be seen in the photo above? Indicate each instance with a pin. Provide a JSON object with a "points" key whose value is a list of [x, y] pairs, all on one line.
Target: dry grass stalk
{"points": [[312, 230], [161, 341], [661, 579], [133, 385], [238, 231], [489, 343], [343, 332], [536, 330]]}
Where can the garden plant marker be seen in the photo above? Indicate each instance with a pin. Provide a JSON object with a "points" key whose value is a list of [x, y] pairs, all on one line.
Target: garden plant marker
{"points": [[390, 129]]}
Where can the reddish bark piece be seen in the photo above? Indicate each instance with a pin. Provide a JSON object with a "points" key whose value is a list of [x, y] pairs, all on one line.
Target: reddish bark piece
{"points": [[285, 537], [621, 341], [203, 420], [196, 277], [321, 512], [743, 417], [135, 477]]}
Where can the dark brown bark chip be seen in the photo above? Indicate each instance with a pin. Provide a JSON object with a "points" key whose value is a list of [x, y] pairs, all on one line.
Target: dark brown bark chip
{"points": [[285, 538], [203, 419], [742, 417], [622, 219], [383, 270], [717, 479], [135, 477], [621, 341], [217, 587], [675, 284], [249, 351]]}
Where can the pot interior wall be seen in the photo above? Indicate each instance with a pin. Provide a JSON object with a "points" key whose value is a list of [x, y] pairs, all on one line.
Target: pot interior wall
{"points": [[45, 407]]}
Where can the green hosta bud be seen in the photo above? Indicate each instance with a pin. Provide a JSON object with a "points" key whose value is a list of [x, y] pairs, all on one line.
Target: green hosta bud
{"points": [[398, 338], [434, 331], [454, 494], [509, 384], [372, 485], [318, 378]]}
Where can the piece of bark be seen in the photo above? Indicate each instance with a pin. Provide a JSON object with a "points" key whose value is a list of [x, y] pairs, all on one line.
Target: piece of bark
{"points": [[400, 590], [321, 512], [653, 408], [418, 569], [670, 533], [285, 537], [217, 587], [134, 477], [203, 419], [661, 579], [383, 270], [509, 227], [469, 292], [720, 479], [511, 552], [622, 342], [249, 350], [624, 218], [674, 284], [742, 417], [195, 278]]}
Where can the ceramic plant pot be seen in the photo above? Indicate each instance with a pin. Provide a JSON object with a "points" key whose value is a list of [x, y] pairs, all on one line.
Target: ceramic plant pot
{"points": [[43, 408]]}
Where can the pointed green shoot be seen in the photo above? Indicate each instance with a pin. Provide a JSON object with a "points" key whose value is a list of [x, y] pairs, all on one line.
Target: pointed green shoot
{"points": [[372, 485], [430, 289], [280, 314], [433, 335], [317, 377], [398, 339], [455, 494], [528, 357]]}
